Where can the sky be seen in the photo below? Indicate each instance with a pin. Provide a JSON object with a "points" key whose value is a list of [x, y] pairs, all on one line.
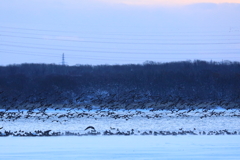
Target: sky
{"points": [[118, 31]]}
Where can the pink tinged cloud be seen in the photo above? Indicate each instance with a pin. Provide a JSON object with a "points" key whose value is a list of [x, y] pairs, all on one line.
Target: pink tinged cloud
{"points": [[167, 2]]}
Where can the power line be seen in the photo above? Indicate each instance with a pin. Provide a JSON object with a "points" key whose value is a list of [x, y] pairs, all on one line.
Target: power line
{"points": [[153, 37], [111, 58], [82, 51], [64, 47], [112, 48], [31, 29], [95, 57], [126, 43], [105, 33], [56, 54]]}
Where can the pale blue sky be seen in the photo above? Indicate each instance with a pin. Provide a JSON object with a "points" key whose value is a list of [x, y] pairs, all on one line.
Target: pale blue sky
{"points": [[98, 32]]}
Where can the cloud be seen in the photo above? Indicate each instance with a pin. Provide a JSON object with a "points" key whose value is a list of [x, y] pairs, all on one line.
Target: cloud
{"points": [[167, 2], [39, 5]]}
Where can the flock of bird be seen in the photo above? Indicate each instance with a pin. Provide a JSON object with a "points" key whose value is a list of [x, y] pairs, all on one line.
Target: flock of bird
{"points": [[40, 133], [113, 106], [64, 115], [114, 101]]}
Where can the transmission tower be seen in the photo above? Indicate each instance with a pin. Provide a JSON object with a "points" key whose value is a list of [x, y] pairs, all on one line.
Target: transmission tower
{"points": [[63, 59]]}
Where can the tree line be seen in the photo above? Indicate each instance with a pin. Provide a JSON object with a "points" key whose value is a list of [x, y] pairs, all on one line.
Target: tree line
{"points": [[170, 84]]}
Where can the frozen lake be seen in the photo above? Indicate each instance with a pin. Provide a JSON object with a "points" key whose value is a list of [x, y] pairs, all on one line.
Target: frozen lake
{"points": [[120, 147]]}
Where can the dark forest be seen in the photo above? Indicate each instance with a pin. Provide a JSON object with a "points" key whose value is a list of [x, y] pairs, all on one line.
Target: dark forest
{"points": [[154, 85]]}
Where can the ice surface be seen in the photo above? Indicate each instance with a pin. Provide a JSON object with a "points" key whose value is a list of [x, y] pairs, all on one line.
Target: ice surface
{"points": [[121, 147]]}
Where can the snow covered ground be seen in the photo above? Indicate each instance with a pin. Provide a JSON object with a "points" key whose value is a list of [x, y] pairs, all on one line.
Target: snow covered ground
{"points": [[220, 147], [135, 121]]}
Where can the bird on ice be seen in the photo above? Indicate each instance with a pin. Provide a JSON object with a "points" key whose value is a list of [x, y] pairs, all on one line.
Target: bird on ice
{"points": [[90, 127]]}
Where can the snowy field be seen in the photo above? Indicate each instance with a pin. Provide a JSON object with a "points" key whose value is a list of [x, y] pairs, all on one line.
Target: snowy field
{"points": [[150, 134], [222, 147], [121, 122]]}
